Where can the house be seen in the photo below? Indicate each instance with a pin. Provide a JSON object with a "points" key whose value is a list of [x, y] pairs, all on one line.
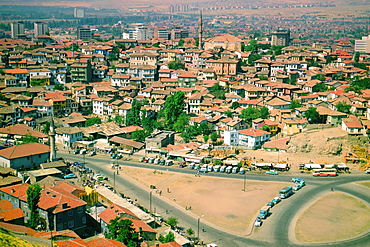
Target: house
{"points": [[126, 145], [352, 126], [277, 103], [68, 135], [160, 139], [10, 214], [37, 175], [24, 156], [18, 131], [291, 127], [250, 138]]}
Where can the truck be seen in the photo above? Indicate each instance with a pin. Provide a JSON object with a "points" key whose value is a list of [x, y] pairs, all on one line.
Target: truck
{"points": [[216, 168], [222, 169], [210, 168], [264, 212]]}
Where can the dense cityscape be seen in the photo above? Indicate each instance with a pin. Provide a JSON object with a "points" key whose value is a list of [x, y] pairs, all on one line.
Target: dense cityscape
{"points": [[126, 127]]}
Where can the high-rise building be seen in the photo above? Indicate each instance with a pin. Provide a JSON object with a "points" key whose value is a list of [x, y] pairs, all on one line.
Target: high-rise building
{"points": [[162, 33], [138, 31], [84, 33], [17, 29], [78, 13], [280, 37], [40, 28], [179, 34], [363, 45]]}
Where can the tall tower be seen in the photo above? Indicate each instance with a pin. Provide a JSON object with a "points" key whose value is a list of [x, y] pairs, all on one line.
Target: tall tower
{"points": [[40, 28], [200, 47], [17, 29], [53, 153]]}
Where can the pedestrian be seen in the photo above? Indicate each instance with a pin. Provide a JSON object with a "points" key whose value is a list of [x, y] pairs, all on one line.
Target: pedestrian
{"points": [[160, 193], [174, 199], [332, 189], [168, 190]]}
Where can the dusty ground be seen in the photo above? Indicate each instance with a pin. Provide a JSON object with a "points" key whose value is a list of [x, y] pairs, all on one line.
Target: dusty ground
{"points": [[335, 216], [221, 200]]}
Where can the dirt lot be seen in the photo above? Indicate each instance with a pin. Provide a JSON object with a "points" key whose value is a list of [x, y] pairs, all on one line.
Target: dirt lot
{"points": [[333, 217], [220, 199]]}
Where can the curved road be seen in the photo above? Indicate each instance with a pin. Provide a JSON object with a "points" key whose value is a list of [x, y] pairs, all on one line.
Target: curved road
{"points": [[276, 234]]}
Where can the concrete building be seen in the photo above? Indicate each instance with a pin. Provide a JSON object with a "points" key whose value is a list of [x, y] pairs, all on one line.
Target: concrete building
{"points": [[363, 45], [40, 28], [78, 13], [24, 156], [17, 29], [138, 32], [249, 138], [280, 37], [84, 33], [158, 140]]}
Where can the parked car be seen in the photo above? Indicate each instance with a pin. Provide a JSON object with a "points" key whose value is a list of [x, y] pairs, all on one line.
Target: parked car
{"points": [[71, 175], [100, 177], [296, 180], [83, 151], [156, 161], [119, 156], [92, 153], [146, 159], [151, 160], [162, 162], [113, 156], [258, 222], [367, 171], [169, 162], [272, 172], [141, 159], [76, 151], [270, 204], [276, 200], [297, 186]]}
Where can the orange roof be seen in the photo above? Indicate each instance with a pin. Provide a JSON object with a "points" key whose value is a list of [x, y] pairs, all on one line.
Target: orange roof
{"points": [[24, 150], [130, 129], [18, 190], [99, 242], [170, 244], [18, 228], [16, 71], [71, 243], [113, 211], [253, 132]]}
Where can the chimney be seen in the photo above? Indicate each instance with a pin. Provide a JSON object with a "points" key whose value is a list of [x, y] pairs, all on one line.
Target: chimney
{"points": [[64, 205], [12, 191]]}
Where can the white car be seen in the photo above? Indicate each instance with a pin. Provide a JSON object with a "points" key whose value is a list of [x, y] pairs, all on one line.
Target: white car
{"points": [[258, 222], [367, 171]]}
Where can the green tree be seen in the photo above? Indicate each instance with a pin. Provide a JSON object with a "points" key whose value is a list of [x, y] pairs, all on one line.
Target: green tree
{"points": [[214, 137], [46, 128], [218, 91], [343, 107], [181, 122], [263, 78], [253, 57], [357, 57], [181, 43], [252, 46], [59, 87], [313, 116], [92, 121], [28, 138], [172, 221], [173, 108], [266, 128], [264, 112], [295, 104], [205, 138], [250, 113], [133, 117], [123, 231], [228, 113], [140, 135], [242, 93], [320, 77], [235, 105], [190, 232], [321, 87], [176, 64], [118, 120], [33, 198], [170, 237]]}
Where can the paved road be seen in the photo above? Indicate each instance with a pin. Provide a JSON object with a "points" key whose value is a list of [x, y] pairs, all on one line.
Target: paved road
{"points": [[276, 230]]}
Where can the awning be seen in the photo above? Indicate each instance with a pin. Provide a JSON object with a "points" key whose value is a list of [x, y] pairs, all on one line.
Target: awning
{"points": [[280, 166], [313, 166]]}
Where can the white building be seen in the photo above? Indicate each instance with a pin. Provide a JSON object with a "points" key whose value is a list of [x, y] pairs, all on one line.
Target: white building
{"points": [[68, 135], [40, 28], [250, 138], [17, 29], [363, 45]]}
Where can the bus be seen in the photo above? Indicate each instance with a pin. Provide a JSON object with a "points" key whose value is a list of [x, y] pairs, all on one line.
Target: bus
{"points": [[286, 192], [324, 172]]}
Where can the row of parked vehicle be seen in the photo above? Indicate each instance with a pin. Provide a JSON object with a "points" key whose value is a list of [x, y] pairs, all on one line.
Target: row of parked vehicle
{"points": [[216, 168], [84, 151], [156, 161]]}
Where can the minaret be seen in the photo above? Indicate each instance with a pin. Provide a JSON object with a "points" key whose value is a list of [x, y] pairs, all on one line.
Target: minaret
{"points": [[53, 153], [200, 47]]}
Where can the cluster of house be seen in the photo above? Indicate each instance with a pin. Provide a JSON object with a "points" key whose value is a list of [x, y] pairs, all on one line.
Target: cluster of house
{"points": [[64, 215]]}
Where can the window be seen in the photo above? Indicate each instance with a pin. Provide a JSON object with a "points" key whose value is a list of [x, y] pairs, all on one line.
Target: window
{"points": [[71, 223], [80, 210], [84, 220], [70, 212]]}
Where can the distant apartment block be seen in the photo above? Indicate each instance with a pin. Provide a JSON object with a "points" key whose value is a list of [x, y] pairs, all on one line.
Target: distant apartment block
{"points": [[280, 37], [17, 30], [363, 45], [79, 13], [84, 33], [178, 8], [138, 32], [40, 28]]}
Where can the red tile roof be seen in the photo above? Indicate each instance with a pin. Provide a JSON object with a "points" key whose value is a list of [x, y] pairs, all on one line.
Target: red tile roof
{"points": [[8, 213], [113, 211], [71, 243], [22, 130], [99, 242], [18, 190], [253, 132], [24, 150], [18, 228]]}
